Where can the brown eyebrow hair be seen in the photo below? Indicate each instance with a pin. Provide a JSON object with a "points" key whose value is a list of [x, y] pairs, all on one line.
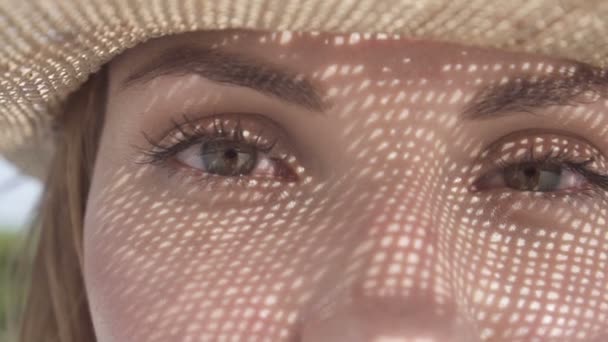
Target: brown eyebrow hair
{"points": [[232, 69], [572, 85]]}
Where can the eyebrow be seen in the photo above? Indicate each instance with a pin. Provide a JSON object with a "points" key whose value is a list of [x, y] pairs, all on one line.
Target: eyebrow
{"points": [[571, 85], [232, 69]]}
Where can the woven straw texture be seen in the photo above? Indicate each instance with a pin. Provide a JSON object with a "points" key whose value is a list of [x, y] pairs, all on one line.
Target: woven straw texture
{"points": [[50, 47]]}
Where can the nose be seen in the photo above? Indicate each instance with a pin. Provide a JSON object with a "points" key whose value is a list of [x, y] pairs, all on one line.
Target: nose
{"points": [[387, 320], [394, 286]]}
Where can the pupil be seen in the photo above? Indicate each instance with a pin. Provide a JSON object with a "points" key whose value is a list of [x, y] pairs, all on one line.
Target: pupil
{"points": [[530, 172], [230, 154], [534, 177]]}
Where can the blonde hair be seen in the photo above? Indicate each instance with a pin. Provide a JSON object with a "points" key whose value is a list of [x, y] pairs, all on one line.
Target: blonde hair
{"points": [[56, 307]]}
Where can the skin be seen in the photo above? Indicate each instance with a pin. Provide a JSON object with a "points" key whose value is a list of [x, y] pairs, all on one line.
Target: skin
{"points": [[382, 237]]}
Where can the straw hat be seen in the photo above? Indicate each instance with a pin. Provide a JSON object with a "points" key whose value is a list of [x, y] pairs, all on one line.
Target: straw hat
{"points": [[50, 47]]}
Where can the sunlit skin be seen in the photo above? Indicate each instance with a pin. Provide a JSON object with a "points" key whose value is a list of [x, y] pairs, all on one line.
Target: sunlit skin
{"points": [[384, 216]]}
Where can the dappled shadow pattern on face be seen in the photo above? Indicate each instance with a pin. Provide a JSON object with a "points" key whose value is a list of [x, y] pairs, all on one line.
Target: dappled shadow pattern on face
{"points": [[404, 219]]}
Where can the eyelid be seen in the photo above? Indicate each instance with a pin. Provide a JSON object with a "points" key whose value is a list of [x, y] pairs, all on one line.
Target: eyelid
{"points": [[542, 133]]}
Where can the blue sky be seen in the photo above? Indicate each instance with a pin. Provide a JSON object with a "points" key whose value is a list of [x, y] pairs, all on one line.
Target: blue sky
{"points": [[18, 196]]}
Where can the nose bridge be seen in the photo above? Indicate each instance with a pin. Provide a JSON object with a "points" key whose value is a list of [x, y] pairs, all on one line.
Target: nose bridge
{"points": [[399, 244], [401, 251], [403, 229], [403, 261]]}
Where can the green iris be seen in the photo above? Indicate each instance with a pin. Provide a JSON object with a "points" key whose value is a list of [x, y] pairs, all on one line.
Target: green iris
{"points": [[228, 158]]}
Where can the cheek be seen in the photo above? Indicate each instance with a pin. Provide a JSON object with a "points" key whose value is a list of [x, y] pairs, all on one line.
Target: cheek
{"points": [[521, 279], [167, 267]]}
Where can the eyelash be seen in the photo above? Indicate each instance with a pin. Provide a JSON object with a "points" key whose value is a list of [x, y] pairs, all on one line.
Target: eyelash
{"points": [[190, 134], [559, 158]]}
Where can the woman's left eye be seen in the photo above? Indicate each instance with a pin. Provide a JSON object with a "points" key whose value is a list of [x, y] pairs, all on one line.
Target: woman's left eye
{"points": [[541, 161], [534, 177]]}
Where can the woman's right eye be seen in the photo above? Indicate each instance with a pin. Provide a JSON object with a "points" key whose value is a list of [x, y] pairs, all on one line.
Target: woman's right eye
{"points": [[228, 146], [223, 157]]}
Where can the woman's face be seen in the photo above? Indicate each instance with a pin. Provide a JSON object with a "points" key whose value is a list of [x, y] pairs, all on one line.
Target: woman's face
{"points": [[313, 187]]}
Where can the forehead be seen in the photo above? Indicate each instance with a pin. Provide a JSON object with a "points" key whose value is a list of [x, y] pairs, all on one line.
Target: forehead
{"points": [[376, 56]]}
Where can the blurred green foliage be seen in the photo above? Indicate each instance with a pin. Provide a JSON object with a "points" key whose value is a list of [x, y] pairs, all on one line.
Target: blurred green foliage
{"points": [[10, 243]]}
